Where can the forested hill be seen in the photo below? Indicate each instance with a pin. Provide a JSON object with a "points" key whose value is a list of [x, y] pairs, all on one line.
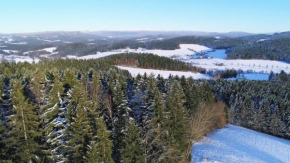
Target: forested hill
{"points": [[212, 42], [80, 49], [150, 61], [261, 46], [90, 111], [277, 49]]}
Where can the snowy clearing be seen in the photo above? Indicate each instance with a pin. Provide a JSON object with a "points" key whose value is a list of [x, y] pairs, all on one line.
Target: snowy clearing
{"points": [[187, 52], [16, 58], [50, 50], [185, 49], [255, 65], [165, 74], [18, 43], [239, 145], [10, 51]]}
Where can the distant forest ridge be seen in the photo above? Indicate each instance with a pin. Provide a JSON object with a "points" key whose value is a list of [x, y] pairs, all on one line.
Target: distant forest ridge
{"points": [[260, 46]]}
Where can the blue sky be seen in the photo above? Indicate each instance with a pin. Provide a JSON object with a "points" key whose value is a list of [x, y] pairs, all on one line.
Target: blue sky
{"points": [[257, 16]]}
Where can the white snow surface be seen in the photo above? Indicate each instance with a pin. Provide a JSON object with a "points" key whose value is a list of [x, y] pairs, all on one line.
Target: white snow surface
{"points": [[16, 58], [18, 43], [135, 71], [182, 52], [10, 51], [235, 144], [255, 65], [50, 50]]}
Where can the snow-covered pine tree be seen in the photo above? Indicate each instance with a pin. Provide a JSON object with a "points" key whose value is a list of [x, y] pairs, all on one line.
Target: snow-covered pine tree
{"points": [[23, 124], [176, 124], [133, 150], [156, 133], [277, 126], [100, 148], [138, 102], [37, 86], [53, 122], [191, 93], [247, 113], [77, 133], [121, 122]]}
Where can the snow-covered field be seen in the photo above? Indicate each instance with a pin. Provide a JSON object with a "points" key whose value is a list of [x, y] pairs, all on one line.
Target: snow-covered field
{"points": [[235, 144], [165, 74], [188, 52], [10, 51], [50, 50], [16, 58], [185, 49], [218, 57], [265, 66]]}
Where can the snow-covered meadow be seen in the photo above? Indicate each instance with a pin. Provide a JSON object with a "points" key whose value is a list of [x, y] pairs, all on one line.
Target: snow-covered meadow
{"points": [[163, 73], [17, 58], [218, 60], [239, 145], [49, 50], [256, 69]]}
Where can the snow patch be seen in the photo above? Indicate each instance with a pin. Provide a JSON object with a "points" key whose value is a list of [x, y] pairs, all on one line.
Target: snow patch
{"points": [[135, 71], [239, 145]]}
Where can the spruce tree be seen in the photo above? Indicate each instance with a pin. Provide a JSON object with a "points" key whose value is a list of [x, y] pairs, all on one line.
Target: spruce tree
{"points": [[121, 122], [100, 148], [132, 151], [78, 131], [176, 123], [247, 114], [22, 138], [155, 137], [53, 122], [37, 87]]}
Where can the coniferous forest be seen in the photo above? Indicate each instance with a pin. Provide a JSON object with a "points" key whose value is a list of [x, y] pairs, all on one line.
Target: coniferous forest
{"points": [[90, 111]]}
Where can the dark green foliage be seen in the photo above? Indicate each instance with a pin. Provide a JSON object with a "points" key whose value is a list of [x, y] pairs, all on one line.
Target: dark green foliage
{"points": [[22, 142], [282, 76], [151, 61], [77, 133], [100, 150], [176, 123], [259, 105], [2, 144], [80, 111], [275, 49], [212, 42], [132, 151]]}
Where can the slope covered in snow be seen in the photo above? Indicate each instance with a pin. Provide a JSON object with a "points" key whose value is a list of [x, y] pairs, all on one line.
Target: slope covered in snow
{"points": [[165, 74], [187, 52], [185, 49], [239, 145]]}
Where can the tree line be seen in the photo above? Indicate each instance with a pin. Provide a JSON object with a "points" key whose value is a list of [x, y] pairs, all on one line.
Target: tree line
{"points": [[259, 105], [276, 49], [151, 61]]}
